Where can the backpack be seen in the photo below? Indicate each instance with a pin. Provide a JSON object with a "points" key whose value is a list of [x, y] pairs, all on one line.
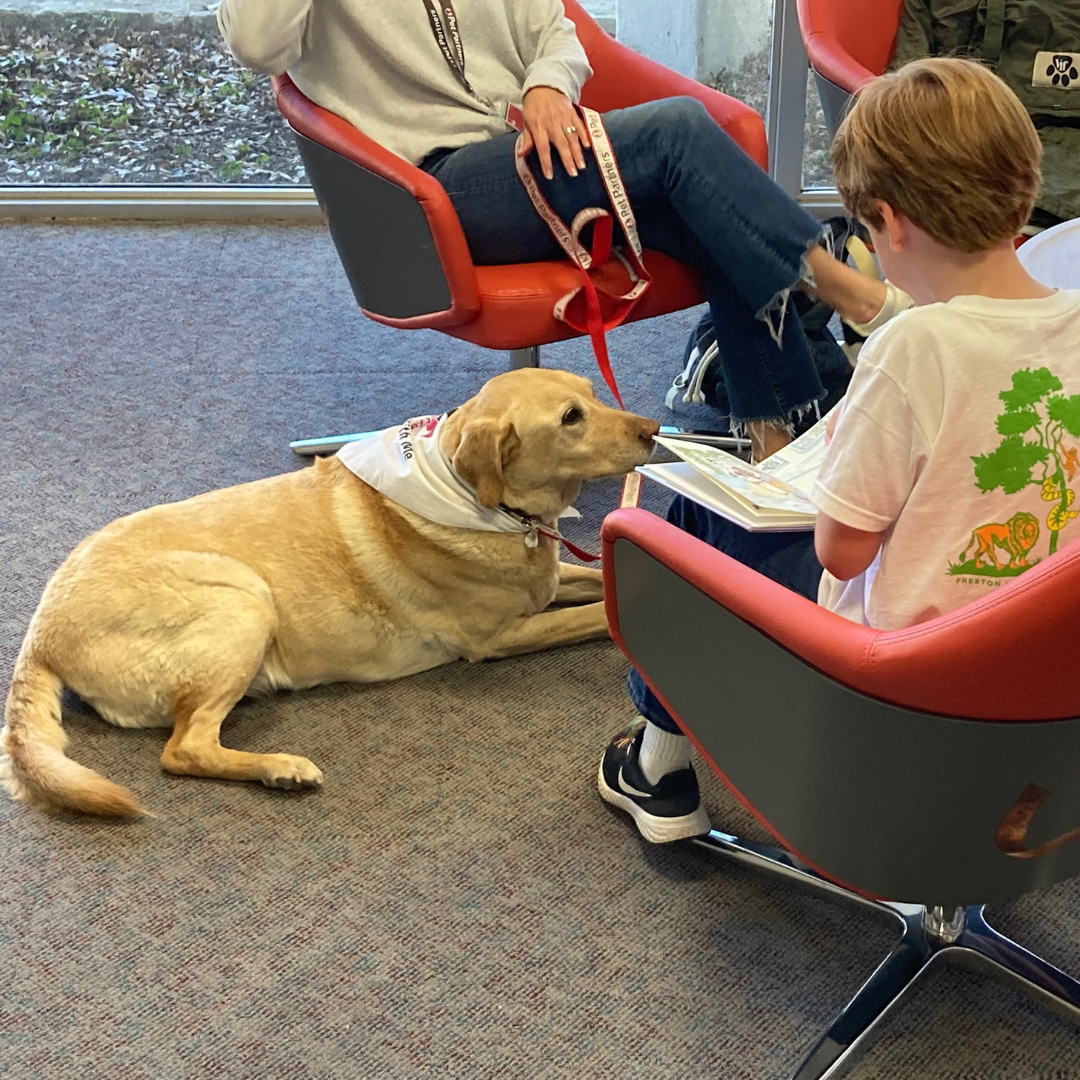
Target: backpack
{"points": [[1034, 46]]}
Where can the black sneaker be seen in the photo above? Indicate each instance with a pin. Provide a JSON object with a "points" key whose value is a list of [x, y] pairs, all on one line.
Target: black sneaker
{"points": [[668, 810]]}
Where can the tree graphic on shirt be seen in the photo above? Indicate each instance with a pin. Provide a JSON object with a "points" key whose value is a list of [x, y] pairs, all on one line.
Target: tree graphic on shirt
{"points": [[1036, 418]]}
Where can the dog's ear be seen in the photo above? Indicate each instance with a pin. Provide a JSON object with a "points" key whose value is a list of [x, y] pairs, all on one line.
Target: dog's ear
{"points": [[482, 455]]}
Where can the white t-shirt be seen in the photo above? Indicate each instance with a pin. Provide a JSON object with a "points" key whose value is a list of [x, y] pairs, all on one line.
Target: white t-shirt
{"points": [[960, 439]]}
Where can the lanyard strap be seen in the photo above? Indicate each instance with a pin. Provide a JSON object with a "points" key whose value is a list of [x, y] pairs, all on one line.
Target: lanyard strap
{"points": [[594, 322], [444, 25], [579, 553], [994, 33]]}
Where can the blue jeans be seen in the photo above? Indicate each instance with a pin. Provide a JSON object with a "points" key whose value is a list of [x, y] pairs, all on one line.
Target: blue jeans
{"points": [[699, 199], [787, 558]]}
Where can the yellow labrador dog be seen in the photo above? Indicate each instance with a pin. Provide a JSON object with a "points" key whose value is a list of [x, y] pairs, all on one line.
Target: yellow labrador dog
{"points": [[169, 616]]}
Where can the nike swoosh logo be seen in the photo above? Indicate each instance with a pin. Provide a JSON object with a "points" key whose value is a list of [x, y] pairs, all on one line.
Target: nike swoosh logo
{"points": [[630, 789]]}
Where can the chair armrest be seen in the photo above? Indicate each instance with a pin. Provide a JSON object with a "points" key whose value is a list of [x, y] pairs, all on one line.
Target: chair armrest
{"points": [[329, 130], [827, 24], [832, 644], [978, 661]]}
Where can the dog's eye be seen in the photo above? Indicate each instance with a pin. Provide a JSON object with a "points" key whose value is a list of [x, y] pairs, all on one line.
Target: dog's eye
{"points": [[571, 416]]}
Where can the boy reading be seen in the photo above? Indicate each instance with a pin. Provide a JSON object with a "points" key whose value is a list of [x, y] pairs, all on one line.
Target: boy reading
{"points": [[952, 461]]}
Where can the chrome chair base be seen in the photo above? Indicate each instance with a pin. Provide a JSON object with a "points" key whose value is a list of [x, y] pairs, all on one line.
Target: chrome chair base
{"points": [[927, 936], [331, 444], [528, 357], [328, 444]]}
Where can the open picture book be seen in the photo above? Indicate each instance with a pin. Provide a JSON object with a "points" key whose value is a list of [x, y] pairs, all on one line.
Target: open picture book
{"points": [[770, 497]]}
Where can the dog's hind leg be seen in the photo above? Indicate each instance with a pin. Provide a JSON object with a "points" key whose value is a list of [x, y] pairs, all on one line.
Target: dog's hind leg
{"points": [[579, 585], [213, 687], [195, 750]]}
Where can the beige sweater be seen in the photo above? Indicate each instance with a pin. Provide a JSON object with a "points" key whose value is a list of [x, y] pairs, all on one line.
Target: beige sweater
{"points": [[376, 62]]}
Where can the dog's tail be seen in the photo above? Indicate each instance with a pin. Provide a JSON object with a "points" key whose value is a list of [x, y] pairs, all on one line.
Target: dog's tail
{"points": [[33, 766]]}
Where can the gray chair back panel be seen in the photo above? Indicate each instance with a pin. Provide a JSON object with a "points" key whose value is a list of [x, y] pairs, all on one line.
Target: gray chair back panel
{"points": [[904, 805], [381, 234], [835, 101]]}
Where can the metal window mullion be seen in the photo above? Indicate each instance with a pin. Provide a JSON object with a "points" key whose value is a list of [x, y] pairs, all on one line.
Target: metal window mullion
{"points": [[785, 118]]}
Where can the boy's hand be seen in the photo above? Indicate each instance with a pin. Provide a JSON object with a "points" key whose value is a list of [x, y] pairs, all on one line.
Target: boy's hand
{"points": [[552, 121], [830, 425]]}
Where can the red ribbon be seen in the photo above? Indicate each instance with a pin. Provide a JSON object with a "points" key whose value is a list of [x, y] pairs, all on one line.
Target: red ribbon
{"points": [[593, 320]]}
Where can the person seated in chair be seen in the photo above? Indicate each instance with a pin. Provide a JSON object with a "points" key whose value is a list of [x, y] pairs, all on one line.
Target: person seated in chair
{"points": [[953, 458], [431, 80]]}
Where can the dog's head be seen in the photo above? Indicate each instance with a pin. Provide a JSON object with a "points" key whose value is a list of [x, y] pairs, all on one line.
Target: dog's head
{"points": [[530, 437]]}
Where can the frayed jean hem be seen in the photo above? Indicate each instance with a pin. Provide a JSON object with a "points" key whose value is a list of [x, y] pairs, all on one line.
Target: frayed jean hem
{"points": [[775, 311]]}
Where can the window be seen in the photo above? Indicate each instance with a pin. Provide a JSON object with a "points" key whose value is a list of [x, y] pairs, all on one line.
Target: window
{"points": [[107, 102], [111, 98]]}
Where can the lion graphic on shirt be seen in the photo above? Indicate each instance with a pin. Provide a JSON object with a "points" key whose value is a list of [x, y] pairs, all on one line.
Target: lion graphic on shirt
{"points": [[1016, 537]]}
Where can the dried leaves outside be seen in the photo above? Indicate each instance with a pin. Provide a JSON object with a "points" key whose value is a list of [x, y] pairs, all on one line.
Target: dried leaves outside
{"points": [[114, 99]]}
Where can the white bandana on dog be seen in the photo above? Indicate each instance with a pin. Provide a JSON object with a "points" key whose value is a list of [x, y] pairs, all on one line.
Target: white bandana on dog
{"points": [[409, 467]]}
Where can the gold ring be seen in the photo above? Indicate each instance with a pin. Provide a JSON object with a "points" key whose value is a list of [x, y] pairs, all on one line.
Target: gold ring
{"points": [[571, 130]]}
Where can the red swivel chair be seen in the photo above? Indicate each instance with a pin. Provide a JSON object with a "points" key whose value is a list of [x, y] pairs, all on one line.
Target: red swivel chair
{"points": [[848, 43], [402, 246], [922, 772]]}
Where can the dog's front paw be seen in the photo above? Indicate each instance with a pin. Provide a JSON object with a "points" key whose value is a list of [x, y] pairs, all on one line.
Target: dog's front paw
{"points": [[291, 773]]}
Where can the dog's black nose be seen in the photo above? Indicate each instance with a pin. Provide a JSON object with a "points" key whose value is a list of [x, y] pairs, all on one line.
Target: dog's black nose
{"points": [[647, 429]]}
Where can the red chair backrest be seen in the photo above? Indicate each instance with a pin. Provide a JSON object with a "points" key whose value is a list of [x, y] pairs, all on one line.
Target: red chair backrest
{"points": [[849, 41]]}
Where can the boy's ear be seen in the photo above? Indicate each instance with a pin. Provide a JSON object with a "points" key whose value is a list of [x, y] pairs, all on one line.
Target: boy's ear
{"points": [[895, 225]]}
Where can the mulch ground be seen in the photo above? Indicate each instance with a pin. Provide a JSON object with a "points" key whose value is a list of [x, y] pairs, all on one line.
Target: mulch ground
{"points": [[110, 98]]}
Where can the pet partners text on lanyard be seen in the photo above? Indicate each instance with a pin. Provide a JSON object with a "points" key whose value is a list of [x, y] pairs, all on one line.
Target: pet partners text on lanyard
{"points": [[444, 26], [593, 320], [589, 315]]}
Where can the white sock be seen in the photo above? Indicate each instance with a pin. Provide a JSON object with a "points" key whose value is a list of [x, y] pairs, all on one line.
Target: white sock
{"points": [[662, 752], [896, 300]]}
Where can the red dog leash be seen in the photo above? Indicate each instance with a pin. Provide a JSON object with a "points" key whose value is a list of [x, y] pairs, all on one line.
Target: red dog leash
{"points": [[590, 309], [587, 308]]}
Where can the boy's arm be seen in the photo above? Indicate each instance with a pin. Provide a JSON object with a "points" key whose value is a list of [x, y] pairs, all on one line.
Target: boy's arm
{"points": [[843, 551], [874, 458]]}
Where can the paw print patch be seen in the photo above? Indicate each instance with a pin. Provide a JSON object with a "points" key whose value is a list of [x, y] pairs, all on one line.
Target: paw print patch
{"points": [[1057, 69]]}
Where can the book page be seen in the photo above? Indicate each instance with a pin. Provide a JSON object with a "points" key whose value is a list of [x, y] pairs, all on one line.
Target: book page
{"points": [[683, 478], [798, 463], [746, 482]]}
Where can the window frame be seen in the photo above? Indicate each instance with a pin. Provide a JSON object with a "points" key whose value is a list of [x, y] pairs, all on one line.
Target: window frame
{"points": [[785, 118]]}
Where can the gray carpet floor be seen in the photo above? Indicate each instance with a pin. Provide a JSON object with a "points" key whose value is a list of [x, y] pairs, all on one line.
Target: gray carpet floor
{"points": [[456, 902]]}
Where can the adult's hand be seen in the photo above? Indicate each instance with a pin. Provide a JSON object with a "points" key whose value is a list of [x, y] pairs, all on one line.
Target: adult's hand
{"points": [[551, 121]]}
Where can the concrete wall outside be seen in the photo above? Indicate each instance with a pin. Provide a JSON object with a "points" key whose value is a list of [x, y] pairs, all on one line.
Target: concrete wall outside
{"points": [[700, 38]]}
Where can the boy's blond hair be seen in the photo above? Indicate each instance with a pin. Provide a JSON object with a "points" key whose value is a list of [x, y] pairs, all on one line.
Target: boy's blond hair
{"points": [[945, 143]]}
